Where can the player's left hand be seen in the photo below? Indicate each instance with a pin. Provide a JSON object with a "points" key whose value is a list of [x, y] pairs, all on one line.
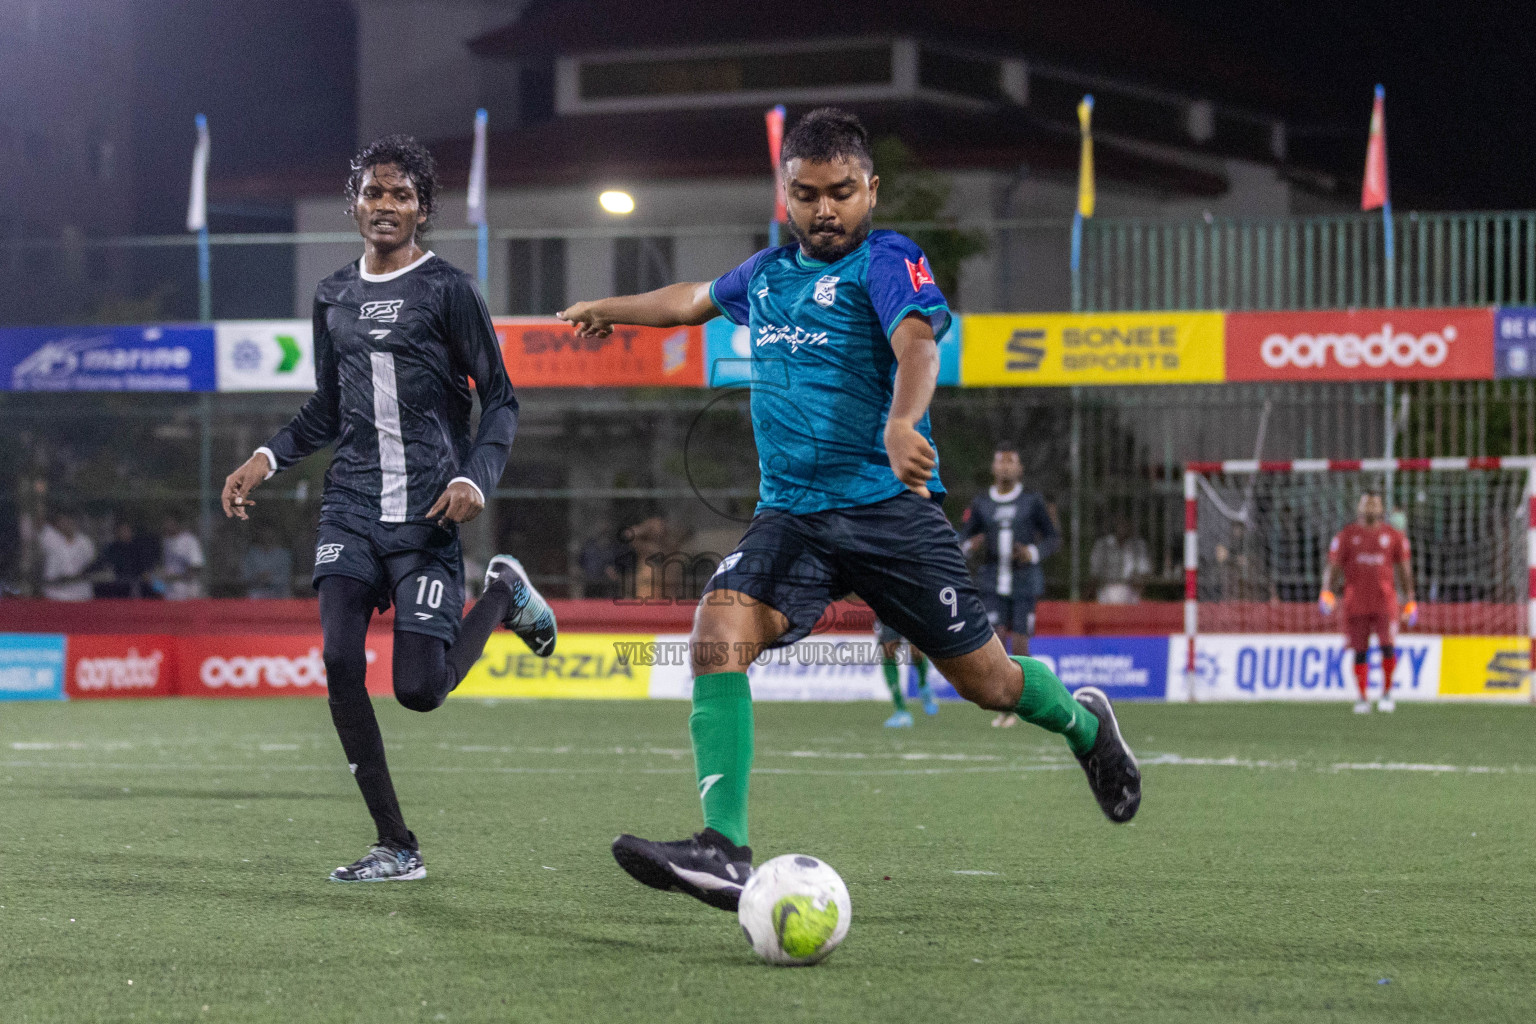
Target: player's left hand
{"points": [[458, 504], [1411, 614], [912, 457], [1027, 553]]}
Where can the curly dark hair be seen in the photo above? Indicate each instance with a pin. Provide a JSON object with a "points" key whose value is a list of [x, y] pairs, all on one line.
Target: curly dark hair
{"points": [[407, 154], [827, 134]]}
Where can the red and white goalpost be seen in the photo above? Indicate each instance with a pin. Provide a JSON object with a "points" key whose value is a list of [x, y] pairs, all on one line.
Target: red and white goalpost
{"points": [[1256, 535]]}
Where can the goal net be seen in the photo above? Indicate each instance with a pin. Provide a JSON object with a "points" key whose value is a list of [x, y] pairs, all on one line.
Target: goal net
{"points": [[1257, 535]]}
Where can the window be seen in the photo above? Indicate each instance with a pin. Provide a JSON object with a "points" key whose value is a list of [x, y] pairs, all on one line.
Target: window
{"points": [[536, 93], [753, 72], [641, 264], [536, 276]]}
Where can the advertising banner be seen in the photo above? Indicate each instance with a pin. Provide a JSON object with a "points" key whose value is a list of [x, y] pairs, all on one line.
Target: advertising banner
{"points": [[278, 665], [1298, 666], [156, 357], [546, 353], [1124, 667], [585, 666], [1514, 340], [1013, 350], [31, 666], [828, 666], [265, 355], [1361, 344], [1486, 667], [123, 665], [728, 353]]}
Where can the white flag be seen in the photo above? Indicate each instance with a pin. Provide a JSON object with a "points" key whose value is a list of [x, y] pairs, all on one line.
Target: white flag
{"points": [[477, 171], [197, 204]]}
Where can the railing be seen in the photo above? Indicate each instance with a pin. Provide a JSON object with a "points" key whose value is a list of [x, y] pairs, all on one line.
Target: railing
{"points": [[1334, 262]]}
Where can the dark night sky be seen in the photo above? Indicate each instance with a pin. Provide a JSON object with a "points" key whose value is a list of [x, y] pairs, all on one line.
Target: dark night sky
{"points": [[276, 80]]}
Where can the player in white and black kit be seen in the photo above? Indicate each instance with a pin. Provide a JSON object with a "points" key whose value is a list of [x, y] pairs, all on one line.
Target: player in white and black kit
{"points": [[1011, 531], [399, 335]]}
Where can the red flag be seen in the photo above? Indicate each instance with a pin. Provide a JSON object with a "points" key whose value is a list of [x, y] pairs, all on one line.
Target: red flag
{"points": [[1373, 193], [775, 119]]}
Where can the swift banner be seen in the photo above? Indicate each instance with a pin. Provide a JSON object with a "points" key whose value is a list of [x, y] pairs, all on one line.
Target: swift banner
{"points": [[1361, 344], [542, 353], [1010, 350]]}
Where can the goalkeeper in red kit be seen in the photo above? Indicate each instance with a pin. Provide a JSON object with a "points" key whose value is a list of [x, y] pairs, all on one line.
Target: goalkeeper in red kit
{"points": [[1372, 557]]}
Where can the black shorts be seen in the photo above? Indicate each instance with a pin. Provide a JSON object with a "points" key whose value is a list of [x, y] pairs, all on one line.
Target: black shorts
{"points": [[1010, 612], [900, 555], [418, 567]]}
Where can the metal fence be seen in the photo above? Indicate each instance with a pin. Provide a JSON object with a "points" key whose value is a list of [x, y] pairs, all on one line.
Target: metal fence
{"points": [[1331, 262]]}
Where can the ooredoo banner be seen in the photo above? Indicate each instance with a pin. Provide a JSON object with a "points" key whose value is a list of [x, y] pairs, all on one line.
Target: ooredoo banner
{"points": [[545, 353], [246, 665], [123, 665], [1361, 344]]}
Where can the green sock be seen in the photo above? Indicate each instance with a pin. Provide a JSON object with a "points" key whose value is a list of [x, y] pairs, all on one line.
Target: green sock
{"points": [[721, 727], [922, 675], [1047, 703], [893, 683]]}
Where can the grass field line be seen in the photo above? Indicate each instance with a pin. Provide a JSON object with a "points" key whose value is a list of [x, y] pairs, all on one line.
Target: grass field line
{"points": [[1160, 760]]}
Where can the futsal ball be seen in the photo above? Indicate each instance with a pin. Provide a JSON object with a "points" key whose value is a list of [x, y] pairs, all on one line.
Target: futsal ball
{"points": [[795, 910]]}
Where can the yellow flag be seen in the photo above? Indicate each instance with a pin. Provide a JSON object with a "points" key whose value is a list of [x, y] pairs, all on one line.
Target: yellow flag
{"points": [[1085, 168]]}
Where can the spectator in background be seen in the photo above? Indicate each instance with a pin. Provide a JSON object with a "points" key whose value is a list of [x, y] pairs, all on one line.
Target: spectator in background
{"points": [[599, 557], [66, 555], [127, 564], [1119, 562], [267, 569], [181, 561]]}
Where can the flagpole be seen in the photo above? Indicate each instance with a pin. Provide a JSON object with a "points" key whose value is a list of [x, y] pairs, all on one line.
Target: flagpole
{"points": [[775, 119], [1085, 199], [204, 267], [1389, 247], [477, 212]]}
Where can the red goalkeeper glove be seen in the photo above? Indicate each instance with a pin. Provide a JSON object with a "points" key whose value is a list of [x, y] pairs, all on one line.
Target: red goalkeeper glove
{"points": [[1411, 614], [1326, 602]]}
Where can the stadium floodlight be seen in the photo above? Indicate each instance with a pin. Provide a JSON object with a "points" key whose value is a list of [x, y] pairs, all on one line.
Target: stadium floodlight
{"points": [[1257, 533], [617, 202]]}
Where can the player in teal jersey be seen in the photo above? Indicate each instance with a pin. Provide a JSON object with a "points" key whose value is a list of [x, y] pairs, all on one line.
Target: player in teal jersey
{"points": [[844, 362]]}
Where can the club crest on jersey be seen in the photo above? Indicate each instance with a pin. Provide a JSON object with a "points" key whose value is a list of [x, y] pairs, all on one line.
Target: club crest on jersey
{"points": [[327, 553], [826, 291], [919, 273], [385, 310]]}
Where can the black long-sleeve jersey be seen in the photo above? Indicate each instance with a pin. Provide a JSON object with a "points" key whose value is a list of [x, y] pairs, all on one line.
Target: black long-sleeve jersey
{"points": [[394, 354], [1005, 520]]}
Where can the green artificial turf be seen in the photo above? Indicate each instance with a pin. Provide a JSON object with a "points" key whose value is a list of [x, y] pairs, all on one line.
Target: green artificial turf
{"points": [[184, 845]]}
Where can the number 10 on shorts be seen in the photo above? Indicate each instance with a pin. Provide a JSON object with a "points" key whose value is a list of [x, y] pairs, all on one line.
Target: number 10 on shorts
{"points": [[429, 592]]}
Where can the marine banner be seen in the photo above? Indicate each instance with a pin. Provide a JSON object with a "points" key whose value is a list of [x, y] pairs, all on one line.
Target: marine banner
{"points": [[1020, 350], [149, 357]]}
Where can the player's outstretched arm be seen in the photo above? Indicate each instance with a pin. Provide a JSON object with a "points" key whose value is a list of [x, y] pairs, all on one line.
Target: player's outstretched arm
{"points": [[917, 374], [676, 305]]}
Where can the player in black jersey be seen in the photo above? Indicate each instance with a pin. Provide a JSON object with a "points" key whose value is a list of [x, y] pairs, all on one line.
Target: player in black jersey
{"points": [[398, 336], [1012, 532]]}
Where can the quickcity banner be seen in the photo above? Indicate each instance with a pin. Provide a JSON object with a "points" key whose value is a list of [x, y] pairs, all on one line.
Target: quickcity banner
{"points": [[1297, 666]]}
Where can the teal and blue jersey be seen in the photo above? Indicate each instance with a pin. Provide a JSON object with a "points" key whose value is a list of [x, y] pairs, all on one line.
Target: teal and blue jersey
{"points": [[823, 371]]}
